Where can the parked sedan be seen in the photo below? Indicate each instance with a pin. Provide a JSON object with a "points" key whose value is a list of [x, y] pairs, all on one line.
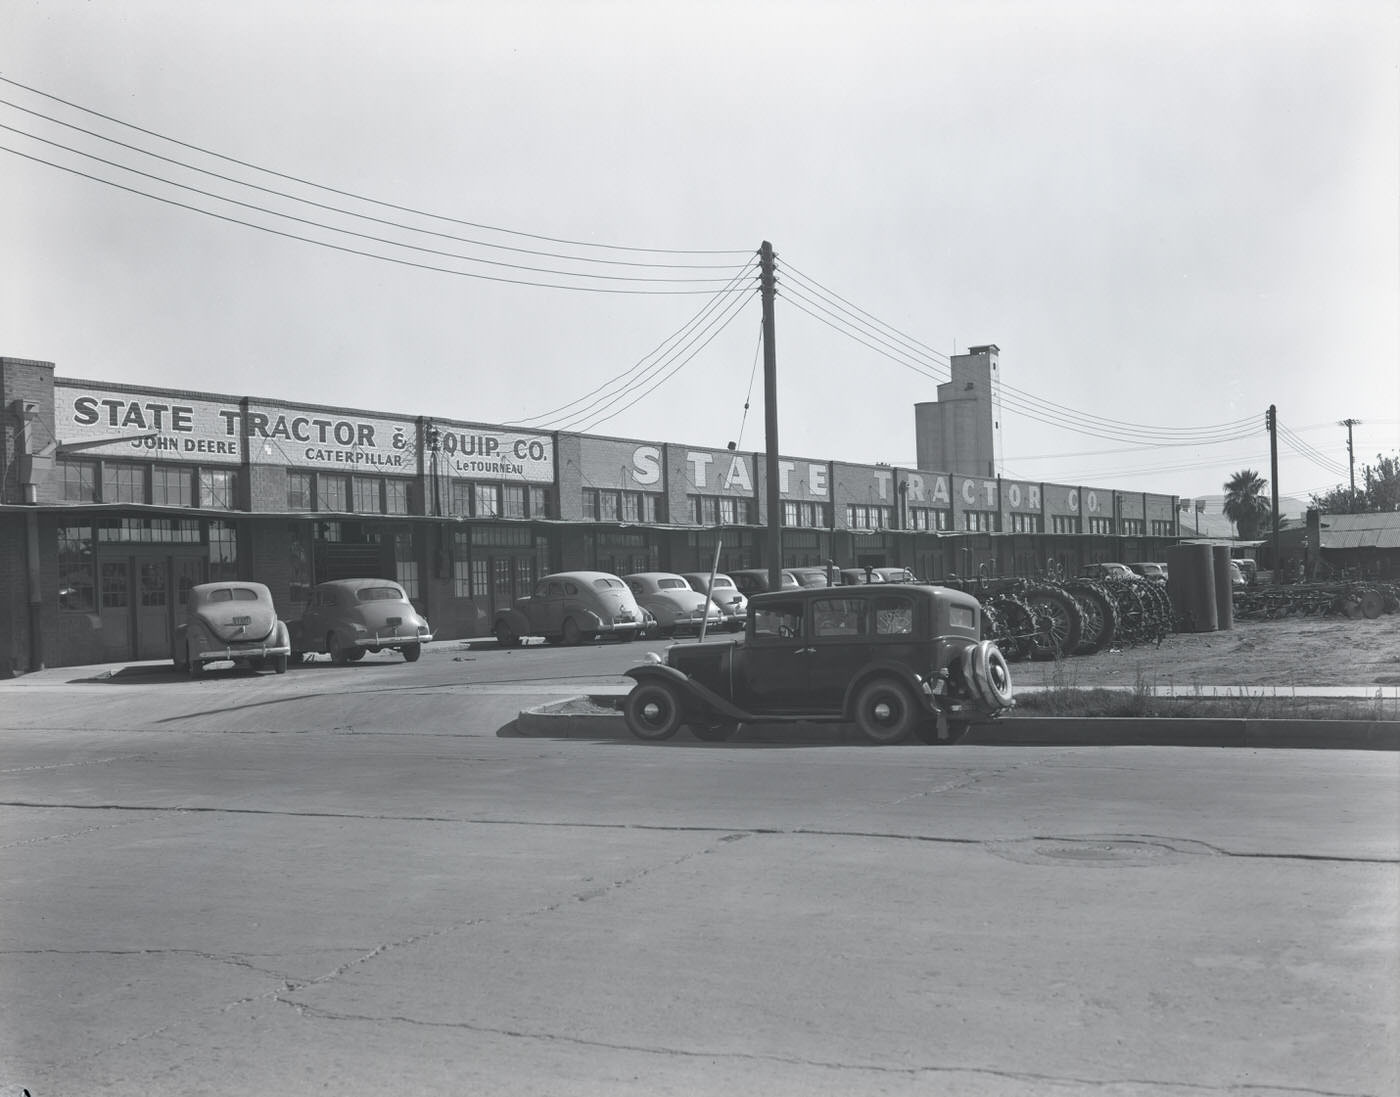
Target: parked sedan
{"points": [[753, 581], [233, 620], [570, 606], [675, 604], [345, 618], [855, 576], [1147, 570], [723, 593]]}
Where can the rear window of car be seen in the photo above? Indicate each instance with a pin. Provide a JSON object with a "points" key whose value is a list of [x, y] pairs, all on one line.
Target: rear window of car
{"points": [[233, 594], [608, 584], [722, 581], [379, 594], [672, 584], [893, 616]]}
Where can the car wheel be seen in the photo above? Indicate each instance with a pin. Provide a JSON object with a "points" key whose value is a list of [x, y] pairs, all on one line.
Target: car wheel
{"points": [[927, 732], [505, 635], [572, 634], [279, 664], [653, 711], [885, 712], [256, 665], [340, 654], [354, 655], [411, 652]]}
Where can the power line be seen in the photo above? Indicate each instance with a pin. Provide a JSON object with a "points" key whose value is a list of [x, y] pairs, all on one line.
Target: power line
{"points": [[357, 251], [639, 371], [362, 198], [321, 205]]}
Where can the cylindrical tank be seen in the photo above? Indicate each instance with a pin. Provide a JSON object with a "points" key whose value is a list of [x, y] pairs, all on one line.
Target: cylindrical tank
{"points": [[1191, 587], [1224, 591]]}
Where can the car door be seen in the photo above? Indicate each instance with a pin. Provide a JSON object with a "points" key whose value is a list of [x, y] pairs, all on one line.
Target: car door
{"points": [[776, 660], [840, 642], [547, 607]]}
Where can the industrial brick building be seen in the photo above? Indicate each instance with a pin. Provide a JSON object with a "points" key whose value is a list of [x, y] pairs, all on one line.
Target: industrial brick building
{"points": [[116, 498]]}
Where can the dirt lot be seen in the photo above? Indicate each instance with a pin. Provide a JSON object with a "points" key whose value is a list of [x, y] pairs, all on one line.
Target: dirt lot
{"points": [[1297, 651]]}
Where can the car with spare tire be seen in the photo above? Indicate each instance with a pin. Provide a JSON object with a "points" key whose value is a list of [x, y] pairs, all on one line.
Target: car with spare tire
{"points": [[895, 660]]}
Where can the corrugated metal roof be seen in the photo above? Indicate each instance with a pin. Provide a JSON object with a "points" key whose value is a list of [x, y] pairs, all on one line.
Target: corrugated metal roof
{"points": [[1349, 531]]}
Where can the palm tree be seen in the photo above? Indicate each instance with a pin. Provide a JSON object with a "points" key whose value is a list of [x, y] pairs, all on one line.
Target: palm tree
{"points": [[1245, 504]]}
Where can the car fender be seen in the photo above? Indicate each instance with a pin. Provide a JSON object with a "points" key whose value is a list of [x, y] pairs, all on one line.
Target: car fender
{"points": [[899, 672], [688, 687], [518, 622]]}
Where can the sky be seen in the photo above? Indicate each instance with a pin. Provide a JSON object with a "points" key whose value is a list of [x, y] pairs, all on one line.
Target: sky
{"points": [[546, 213]]}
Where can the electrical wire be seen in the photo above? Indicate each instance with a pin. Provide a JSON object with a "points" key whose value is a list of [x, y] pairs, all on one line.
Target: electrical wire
{"points": [[324, 206], [347, 232], [734, 305], [631, 375], [362, 198]]}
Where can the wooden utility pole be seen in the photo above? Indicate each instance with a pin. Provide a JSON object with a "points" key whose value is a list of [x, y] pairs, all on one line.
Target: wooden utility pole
{"points": [[1272, 421], [1351, 456], [767, 284]]}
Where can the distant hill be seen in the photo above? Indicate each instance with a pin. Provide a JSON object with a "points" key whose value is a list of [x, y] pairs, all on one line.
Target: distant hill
{"points": [[1212, 523]]}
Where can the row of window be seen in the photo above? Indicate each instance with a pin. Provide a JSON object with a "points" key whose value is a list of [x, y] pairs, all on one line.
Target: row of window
{"points": [[79, 590], [163, 485], [93, 481]]}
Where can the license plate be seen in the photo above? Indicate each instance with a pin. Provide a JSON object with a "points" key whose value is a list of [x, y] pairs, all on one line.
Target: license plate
{"points": [[394, 621], [241, 620]]}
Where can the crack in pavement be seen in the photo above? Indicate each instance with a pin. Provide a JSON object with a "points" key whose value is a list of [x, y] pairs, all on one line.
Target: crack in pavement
{"points": [[674, 828], [913, 1071]]}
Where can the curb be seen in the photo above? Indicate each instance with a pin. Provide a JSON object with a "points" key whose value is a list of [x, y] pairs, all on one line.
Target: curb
{"points": [[551, 721]]}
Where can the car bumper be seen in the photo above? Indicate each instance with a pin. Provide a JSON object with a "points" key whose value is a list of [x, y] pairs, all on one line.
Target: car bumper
{"points": [[210, 653], [392, 639]]}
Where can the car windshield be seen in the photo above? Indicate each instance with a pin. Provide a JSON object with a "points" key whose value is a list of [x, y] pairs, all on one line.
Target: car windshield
{"points": [[608, 584], [672, 584], [379, 594], [233, 594]]}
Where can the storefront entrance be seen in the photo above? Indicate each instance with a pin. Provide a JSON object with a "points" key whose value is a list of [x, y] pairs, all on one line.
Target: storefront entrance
{"points": [[141, 595]]}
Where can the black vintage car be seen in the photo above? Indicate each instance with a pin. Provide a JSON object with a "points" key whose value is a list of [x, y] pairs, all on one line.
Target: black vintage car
{"points": [[894, 659]]}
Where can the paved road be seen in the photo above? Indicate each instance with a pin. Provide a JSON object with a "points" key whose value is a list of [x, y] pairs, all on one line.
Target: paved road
{"points": [[354, 880]]}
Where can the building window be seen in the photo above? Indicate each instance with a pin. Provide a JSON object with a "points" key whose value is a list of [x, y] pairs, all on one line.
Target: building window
{"points": [[1163, 529], [396, 496], [217, 488], [929, 518], [480, 579], [540, 503], [123, 483], [406, 564], [223, 551], [486, 500], [79, 480], [77, 571], [981, 521], [513, 501], [299, 491], [172, 485], [368, 497], [1100, 525], [333, 493], [1132, 527], [461, 565], [1063, 523], [1025, 523], [608, 506]]}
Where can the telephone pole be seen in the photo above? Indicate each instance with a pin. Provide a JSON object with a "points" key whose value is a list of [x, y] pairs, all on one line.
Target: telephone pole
{"points": [[1351, 456], [767, 285], [1271, 419]]}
